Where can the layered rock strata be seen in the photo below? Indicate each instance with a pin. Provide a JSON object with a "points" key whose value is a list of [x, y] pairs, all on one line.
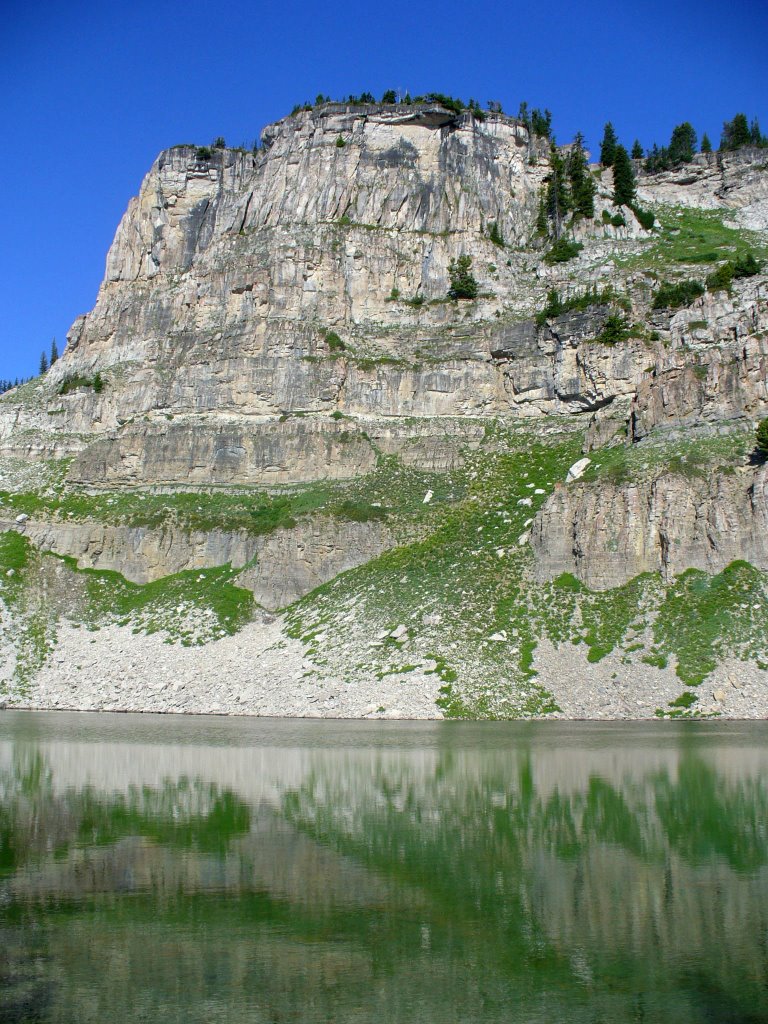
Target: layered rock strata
{"points": [[606, 533]]}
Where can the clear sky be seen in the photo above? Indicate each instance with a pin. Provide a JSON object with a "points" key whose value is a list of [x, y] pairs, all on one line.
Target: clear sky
{"points": [[92, 91]]}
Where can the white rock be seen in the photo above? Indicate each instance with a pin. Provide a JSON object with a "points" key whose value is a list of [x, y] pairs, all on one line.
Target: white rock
{"points": [[577, 470], [427, 498], [399, 632], [501, 636], [22, 517], [525, 501], [524, 538], [539, 490]]}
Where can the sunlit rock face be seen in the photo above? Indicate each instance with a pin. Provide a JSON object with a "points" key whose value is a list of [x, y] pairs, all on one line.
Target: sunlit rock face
{"points": [[281, 318]]}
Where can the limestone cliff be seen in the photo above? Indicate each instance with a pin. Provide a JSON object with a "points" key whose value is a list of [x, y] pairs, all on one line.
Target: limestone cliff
{"points": [[275, 378]]}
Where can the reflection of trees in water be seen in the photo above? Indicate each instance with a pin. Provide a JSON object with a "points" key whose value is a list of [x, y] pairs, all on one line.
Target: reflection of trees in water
{"points": [[607, 882], [470, 895], [34, 821], [706, 818], [40, 829]]}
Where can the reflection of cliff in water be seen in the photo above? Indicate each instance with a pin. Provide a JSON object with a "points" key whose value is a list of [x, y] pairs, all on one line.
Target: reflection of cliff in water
{"points": [[389, 887], [616, 881]]}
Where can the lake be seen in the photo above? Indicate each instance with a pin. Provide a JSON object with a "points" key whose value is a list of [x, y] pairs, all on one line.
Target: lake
{"points": [[212, 869]]}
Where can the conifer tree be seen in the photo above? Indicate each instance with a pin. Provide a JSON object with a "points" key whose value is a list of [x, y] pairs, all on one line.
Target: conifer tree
{"points": [[637, 150], [706, 145], [542, 224], [608, 146], [581, 181], [43, 362], [558, 200], [762, 437], [623, 178], [54, 352], [682, 145], [541, 123], [735, 133]]}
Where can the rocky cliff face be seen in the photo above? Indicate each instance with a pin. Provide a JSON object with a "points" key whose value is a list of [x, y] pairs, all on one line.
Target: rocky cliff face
{"points": [[607, 533], [278, 323]]}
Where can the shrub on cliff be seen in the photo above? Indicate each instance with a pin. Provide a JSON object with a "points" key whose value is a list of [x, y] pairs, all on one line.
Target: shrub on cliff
{"points": [[495, 234], [449, 102], [563, 250], [72, 383], [645, 217], [674, 296], [463, 283], [745, 265], [617, 328], [761, 435], [333, 341]]}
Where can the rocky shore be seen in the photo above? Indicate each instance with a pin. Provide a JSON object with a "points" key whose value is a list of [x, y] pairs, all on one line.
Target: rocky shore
{"points": [[261, 672]]}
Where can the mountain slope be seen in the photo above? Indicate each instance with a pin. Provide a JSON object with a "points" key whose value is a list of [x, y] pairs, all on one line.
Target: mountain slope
{"points": [[276, 387]]}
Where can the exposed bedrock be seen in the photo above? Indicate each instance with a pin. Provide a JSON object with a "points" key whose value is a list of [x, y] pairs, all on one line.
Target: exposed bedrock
{"points": [[605, 533], [733, 181], [716, 369], [199, 453], [724, 385], [291, 563], [282, 566], [561, 367]]}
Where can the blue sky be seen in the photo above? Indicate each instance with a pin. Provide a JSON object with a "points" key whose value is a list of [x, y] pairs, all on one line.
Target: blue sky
{"points": [[92, 91]]}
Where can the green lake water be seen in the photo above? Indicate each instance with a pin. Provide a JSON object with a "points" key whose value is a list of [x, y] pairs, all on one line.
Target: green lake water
{"points": [[234, 870]]}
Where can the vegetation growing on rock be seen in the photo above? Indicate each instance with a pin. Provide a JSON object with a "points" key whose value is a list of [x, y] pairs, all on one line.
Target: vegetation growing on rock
{"points": [[401, 475], [463, 283]]}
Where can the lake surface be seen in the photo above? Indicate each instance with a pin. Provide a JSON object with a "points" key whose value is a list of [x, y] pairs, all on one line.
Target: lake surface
{"points": [[234, 870]]}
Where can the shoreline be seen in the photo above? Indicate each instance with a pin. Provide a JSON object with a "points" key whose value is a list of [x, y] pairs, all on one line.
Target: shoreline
{"points": [[554, 717]]}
